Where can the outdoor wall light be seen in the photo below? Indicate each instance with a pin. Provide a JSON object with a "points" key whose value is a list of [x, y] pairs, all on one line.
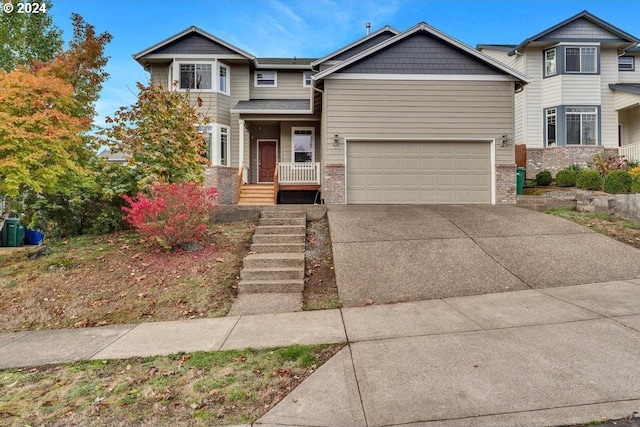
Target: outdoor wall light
{"points": [[336, 139], [505, 139]]}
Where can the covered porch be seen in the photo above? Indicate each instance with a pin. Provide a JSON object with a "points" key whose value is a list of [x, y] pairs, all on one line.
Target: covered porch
{"points": [[627, 104], [279, 152]]}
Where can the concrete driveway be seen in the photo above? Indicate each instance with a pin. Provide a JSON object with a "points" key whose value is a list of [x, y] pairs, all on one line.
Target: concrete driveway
{"points": [[397, 253]]}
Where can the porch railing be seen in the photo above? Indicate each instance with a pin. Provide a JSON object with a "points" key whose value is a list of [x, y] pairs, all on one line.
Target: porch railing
{"points": [[299, 173], [631, 152]]}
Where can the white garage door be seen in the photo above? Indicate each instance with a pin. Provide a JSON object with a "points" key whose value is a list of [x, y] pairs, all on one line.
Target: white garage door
{"points": [[418, 172]]}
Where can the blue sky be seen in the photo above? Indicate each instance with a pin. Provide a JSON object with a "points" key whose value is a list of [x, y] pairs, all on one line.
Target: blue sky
{"points": [[311, 28]]}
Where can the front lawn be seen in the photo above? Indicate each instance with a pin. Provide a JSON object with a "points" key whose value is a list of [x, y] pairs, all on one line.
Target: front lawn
{"points": [[93, 281], [197, 389], [609, 225]]}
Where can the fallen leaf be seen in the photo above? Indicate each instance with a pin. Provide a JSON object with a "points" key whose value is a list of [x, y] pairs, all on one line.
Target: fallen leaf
{"points": [[368, 302]]}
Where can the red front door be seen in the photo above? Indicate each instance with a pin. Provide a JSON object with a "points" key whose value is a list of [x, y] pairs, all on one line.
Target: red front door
{"points": [[266, 160]]}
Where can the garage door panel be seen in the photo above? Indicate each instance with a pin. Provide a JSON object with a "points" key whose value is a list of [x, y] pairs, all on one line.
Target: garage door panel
{"points": [[418, 172]]}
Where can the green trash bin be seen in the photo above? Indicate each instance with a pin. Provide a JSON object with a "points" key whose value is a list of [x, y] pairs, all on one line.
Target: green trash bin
{"points": [[521, 173], [12, 233]]}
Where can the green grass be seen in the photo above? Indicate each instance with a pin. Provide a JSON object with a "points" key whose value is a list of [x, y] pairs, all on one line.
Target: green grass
{"points": [[198, 389], [585, 217]]}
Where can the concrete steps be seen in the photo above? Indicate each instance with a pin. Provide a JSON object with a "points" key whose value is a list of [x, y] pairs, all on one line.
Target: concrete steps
{"points": [[272, 278]]}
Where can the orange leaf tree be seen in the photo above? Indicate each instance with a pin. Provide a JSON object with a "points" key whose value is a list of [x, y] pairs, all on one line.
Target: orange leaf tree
{"points": [[160, 134]]}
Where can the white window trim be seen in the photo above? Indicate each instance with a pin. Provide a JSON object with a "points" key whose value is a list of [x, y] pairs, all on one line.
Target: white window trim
{"points": [[228, 89], [255, 78], [214, 152], [555, 62], [218, 145], [313, 142], [633, 63], [304, 78], [174, 75], [595, 58]]}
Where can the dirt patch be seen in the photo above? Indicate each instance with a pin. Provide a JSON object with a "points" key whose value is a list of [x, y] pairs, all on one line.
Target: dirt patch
{"points": [[320, 288], [609, 225], [196, 389], [94, 281]]}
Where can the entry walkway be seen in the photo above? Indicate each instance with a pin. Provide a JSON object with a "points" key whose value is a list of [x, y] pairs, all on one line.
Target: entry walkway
{"points": [[534, 357]]}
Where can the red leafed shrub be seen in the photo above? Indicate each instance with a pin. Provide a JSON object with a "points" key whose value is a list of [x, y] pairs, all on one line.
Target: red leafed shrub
{"points": [[171, 214]]}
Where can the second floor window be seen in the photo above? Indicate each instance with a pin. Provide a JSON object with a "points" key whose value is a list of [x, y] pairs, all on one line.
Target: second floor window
{"points": [[223, 79], [550, 62], [196, 76], [266, 79], [626, 63], [581, 59], [306, 78]]}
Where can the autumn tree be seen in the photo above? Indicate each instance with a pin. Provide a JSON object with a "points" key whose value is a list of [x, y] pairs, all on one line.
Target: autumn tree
{"points": [[25, 37], [45, 112], [160, 134]]}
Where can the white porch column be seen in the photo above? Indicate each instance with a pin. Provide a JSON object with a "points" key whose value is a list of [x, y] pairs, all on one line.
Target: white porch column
{"points": [[245, 178]]}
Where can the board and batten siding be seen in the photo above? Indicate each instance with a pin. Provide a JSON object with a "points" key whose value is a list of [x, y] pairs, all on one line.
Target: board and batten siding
{"points": [[396, 109], [289, 87]]}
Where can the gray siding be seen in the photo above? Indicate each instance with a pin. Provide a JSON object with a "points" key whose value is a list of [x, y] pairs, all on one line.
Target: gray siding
{"points": [[421, 53], [417, 109], [196, 44], [289, 87], [363, 46], [581, 28], [239, 92]]}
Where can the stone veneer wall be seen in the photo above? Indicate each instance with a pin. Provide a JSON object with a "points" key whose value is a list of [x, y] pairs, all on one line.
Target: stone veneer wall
{"points": [[225, 179], [333, 189], [554, 159], [505, 184]]}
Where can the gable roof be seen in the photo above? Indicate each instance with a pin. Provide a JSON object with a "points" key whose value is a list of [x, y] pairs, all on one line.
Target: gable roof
{"points": [[386, 29], [423, 27], [585, 14], [183, 34]]}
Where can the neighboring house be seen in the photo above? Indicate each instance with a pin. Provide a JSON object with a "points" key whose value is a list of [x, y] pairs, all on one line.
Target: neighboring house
{"points": [[410, 117], [111, 157], [584, 95]]}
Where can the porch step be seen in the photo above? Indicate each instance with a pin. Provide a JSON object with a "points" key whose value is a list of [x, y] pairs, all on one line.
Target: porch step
{"points": [[263, 194], [280, 229], [283, 221], [274, 260], [270, 286], [278, 238], [262, 248], [266, 303], [272, 273]]}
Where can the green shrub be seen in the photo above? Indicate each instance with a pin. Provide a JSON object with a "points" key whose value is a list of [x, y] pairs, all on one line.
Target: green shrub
{"points": [[589, 179], [576, 167], [543, 178], [529, 183], [635, 185], [616, 182], [566, 178]]}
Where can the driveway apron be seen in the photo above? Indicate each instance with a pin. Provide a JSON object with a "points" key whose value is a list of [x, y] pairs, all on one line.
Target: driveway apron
{"points": [[394, 253]]}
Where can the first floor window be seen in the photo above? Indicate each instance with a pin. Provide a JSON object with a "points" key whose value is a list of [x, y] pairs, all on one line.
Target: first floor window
{"points": [[551, 134], [582, 125], [207, 132], [303, 145], [224, 146], [196, 76]]}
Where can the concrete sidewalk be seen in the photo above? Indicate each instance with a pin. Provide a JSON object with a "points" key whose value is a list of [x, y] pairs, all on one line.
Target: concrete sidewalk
{"points": [[534, 357]]}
